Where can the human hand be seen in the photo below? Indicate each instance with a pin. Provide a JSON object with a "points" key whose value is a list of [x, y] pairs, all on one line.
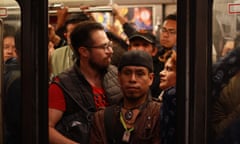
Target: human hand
{"points": [[89, 14], [50, 49], [52, 36], [115, 9], [62, 15], [113, 28], [51, 32], [229, 45]]}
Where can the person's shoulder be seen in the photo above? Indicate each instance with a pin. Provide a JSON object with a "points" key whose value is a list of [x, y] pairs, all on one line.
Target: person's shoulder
{"points": [[155, 102], [60, 50], [11, 67], [171, 91], [155, 99], [12, 60], [59, 53], [11, 75], [236, 77], [55, 79], [100, 112], [112, 68], [154, 106]]}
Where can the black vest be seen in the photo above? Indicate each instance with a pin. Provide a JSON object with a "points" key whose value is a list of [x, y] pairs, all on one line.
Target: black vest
{"points": [[78, 86]]}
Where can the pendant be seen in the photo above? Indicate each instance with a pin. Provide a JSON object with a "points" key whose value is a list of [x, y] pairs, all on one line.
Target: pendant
{"points": [[126, 136], [128, 115]]}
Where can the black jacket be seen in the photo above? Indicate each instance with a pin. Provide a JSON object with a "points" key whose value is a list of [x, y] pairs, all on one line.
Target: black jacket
{"points": [[77, 86], [12, 102]]}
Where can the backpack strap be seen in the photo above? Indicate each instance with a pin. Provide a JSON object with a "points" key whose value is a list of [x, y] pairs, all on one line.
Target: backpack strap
{"points": [[113, 127], [108, 123]]}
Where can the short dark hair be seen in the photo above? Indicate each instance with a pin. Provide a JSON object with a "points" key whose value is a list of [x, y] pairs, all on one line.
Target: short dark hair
{"points": [[81, 35], [171, 17], [75, 19], [17, 38]]}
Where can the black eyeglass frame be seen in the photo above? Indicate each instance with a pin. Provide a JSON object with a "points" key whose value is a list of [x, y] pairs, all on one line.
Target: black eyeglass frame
{"points": [[105, 46]]}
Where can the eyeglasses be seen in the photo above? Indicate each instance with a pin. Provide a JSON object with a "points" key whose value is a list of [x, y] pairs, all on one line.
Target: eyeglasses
{"points": [[105, 46], [168, 31], [8, 47]]}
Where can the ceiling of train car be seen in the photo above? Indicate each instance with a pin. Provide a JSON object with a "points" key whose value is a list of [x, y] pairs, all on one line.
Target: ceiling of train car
{"points": [[106, 2], [6, 3]]}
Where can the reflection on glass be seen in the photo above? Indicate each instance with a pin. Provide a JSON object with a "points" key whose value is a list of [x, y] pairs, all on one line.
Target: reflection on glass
{"points": [[10, 72], [225, 112]]}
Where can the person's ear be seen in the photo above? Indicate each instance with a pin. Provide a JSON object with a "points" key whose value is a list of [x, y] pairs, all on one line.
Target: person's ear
{"points": [[129, 47], [155, 51], [151, 76], [65, 35], [83, 52]]}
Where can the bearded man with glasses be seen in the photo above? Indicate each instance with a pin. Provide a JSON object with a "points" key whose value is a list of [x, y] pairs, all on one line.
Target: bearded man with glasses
{"points": [[90, 84]]}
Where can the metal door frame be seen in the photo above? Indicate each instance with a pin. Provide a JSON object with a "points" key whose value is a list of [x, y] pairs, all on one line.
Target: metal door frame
{"points": [[194, 67]]}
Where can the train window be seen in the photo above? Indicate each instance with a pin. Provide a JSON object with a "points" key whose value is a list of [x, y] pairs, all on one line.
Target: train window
{"points": [[225, 110], [10, 70], [144, 17]]}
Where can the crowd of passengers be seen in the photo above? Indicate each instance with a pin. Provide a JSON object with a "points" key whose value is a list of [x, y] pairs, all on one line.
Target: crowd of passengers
{"points": [[115, 79], [108, 89], [103, 88]]}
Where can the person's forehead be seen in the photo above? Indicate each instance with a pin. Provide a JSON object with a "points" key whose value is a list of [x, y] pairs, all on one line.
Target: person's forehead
{"points": [[99, 36], [170, 24], [169, 64], [135, 68], [97, 32], [70, 27], [9, 38], [139, 40]]}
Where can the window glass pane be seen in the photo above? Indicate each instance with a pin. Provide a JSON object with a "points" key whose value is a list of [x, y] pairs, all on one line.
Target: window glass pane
{"points": [[224, 118], [10, 71]]}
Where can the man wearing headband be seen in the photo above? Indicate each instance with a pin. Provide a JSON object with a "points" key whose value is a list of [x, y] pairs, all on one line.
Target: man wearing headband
{"points": [[135, 119]]}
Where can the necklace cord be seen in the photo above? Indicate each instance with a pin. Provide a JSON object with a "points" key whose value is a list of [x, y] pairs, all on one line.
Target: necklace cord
{"points": [[124, 124]]}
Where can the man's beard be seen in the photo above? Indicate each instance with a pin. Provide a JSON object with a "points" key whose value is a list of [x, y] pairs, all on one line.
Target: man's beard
{"points": [[131, 97], [97, 66]]}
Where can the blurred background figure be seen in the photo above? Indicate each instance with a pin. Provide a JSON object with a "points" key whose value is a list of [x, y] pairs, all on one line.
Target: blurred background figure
{"points": [[63, 57], [225, 114], [12, 97], [62, 15], [168, 32], [146, 41], [228, 46], [128, 27], [9, 49], [142, 17]]}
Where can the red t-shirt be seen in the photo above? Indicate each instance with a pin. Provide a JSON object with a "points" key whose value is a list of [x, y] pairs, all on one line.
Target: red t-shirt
{"points": [[56, 98]]}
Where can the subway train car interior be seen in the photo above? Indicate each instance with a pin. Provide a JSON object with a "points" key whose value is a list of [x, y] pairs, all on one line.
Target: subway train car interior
{"points": [[208, 56]]}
